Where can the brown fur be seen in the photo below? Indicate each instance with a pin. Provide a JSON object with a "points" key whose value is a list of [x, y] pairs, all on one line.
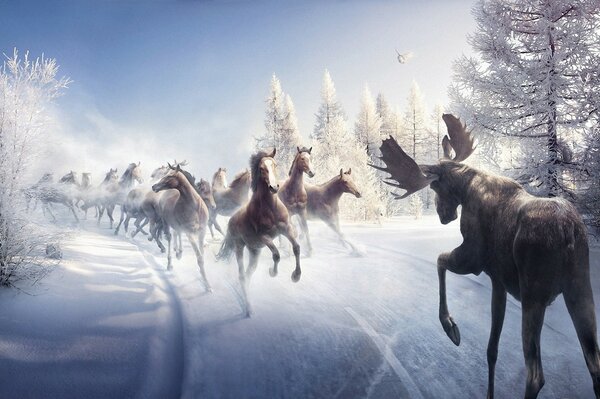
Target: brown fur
{"points": [[257, 223]]}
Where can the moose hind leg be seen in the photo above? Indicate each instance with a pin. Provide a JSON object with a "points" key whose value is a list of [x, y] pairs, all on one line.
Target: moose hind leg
{"points": [[580, 303], [532, 321], [498, 310]]}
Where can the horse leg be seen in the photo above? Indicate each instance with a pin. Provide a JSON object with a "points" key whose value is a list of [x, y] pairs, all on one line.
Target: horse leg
{"points": [[218, 227], [304, 227], [239, 257], [178, 246], [45, 205], [120, 222], [498, 308], [580, 303], [276, 257], [140, 223], [109, 212], [100, 210], [252, 263], [168, 236], [290, 235], [334, 224], [199, 251], [72, 208]]}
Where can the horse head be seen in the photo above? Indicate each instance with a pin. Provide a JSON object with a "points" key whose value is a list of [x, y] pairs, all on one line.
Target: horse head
{"points": [[348, 184]]}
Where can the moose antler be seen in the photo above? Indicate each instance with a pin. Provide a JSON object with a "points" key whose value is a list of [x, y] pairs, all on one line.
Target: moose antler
{"points": [[402, 168], [460, 140]]}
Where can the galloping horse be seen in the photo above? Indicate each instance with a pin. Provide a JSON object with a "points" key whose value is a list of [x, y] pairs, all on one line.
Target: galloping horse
{"points": [[96, 196], [323, 201], [292, 192], [183, 210], [257, 223], [228, 199], [117, 192]]}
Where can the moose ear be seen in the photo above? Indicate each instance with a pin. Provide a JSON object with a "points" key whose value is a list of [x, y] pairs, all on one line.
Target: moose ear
{"points": [[309, 150], [341, 172]]}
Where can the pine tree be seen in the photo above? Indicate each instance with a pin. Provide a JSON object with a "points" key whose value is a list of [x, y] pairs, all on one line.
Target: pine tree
{"points": [[367, 128], [281, 126], [527, 90], [336, 148]]}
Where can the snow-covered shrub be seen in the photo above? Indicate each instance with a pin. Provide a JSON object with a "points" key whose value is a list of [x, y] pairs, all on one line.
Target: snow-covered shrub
{"points": [[26, 89]]}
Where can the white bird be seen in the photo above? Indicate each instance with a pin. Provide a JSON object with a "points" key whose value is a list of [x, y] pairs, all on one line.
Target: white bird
{"points": [[405, 57]]}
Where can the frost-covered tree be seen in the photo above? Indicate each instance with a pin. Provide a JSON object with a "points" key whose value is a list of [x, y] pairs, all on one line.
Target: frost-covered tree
{"points": [[415, 138], [390, 122], [281, 126], [336, 148], [437, 129], [27, 87], [528, 90], [367, 128]]}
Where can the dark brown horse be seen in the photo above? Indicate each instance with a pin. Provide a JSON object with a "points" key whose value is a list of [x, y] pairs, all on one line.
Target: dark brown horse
{"points": [[323, 202], [228, 199], [257, 223], [182, 210], [533, 248], [292, 192]]}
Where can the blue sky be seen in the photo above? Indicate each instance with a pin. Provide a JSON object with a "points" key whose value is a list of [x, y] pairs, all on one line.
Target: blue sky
{"points": [[190, 77]]}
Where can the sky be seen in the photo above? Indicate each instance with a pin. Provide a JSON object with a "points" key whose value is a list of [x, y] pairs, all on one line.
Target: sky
{"points": [[158, 80]]}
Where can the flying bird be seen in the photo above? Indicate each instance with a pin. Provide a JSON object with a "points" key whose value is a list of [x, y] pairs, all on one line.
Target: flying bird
{"points": [[405, 57]]}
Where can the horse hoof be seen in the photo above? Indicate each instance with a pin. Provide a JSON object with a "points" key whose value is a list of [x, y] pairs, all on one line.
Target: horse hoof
{"points": [[272, 272], [162, 250], [178, 255], [116, 232], [296, 276], [451, 329], [169, 267], [209, 289]]}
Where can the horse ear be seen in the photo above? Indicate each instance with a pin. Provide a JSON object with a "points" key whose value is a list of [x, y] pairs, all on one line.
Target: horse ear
{"points": [[349, 171], [170, 166], [139, 162], [309, 150], [178, 168], [298, 148], [341, 172], [273, 153], [225, 170]]}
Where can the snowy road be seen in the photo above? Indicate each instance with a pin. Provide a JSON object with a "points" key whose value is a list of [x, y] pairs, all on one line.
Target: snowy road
{"points": [[113, 322]]}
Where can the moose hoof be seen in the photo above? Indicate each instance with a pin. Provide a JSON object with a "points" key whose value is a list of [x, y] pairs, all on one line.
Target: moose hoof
{"points": [[451, 329], [296, 276], [272, 272]]}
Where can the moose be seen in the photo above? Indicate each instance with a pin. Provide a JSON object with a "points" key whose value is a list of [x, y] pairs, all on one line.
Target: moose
{"points": [[533, 248]]}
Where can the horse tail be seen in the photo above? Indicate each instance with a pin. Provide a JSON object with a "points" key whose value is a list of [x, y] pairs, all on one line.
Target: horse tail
{"points": [[226, 248]]}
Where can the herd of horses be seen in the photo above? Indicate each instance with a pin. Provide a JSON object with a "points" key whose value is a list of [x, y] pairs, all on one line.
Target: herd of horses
{"points": [[532, 248], [175, 204]]}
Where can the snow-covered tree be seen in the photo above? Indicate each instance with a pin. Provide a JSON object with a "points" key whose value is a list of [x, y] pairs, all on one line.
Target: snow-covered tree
{"points": [[528, 90], [27, 87], [367, 128], [415, 139], [437, 129], [336, 148], [281, 126]]}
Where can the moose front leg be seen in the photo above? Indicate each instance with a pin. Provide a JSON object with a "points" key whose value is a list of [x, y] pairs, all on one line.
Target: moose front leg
{"points": [[462, 260]]}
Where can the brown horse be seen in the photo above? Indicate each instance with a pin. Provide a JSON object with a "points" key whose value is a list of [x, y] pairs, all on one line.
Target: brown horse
{"points": [[228, 199], [257, 223], [292, 192], [323, 202], [182, 210], [116, 193]]}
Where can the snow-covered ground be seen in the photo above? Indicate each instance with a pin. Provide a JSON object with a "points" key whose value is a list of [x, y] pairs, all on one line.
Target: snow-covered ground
{"points": [[112, 322]]}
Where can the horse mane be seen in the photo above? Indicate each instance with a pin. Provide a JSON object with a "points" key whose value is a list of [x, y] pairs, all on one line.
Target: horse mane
{"points": [[254, 167], [301, 150], [239, 179], [127, 175], [190, 178]]}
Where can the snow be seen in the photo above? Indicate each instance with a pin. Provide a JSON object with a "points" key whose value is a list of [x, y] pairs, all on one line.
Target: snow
{"points": [[110, 321]]}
